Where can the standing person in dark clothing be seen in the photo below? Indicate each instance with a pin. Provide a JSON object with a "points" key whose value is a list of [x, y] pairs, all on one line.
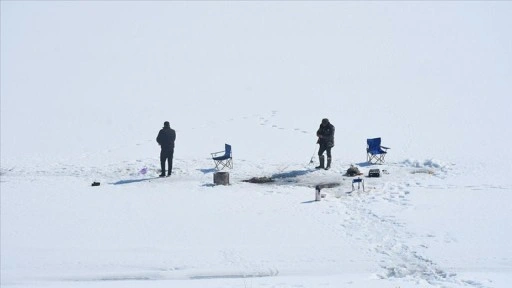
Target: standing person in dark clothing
{"points": [[326, 140], [166, 138]]}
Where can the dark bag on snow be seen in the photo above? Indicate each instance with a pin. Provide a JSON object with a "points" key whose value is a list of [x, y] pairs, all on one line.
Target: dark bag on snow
{"points": [[374, 173], [353, 171]]}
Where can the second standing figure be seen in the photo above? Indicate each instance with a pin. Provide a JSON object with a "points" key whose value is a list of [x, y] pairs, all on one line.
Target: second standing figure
{"points": [[326, 140]]}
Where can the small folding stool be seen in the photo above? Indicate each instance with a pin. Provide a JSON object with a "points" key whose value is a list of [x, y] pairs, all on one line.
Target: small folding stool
{"points": [[359, 182]]}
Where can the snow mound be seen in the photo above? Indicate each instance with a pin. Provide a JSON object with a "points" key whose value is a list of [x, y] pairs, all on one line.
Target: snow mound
{"points": [[428, 163]]}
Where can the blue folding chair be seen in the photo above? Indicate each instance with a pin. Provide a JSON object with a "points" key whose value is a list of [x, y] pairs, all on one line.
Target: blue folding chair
{"points": [[224, 160], [374, 151]]}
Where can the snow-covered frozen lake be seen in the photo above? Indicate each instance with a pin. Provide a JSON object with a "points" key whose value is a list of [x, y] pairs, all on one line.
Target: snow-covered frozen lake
{"points": [[85, 87]]}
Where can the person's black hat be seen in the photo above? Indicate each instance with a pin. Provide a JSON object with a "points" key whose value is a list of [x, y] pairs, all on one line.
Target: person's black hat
{"points": [[325, 121], [166, 124]]}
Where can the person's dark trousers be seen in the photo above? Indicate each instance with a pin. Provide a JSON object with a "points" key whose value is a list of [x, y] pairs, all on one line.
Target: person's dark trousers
{"points": [[323, 148], [166, 154]]}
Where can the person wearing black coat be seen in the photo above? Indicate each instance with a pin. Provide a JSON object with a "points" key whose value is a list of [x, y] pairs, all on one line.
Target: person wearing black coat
{"points": [[165, 139], [325, 135]]}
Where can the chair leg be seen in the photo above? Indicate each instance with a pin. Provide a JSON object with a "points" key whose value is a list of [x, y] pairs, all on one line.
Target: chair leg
{"points": [[221, 164], [375, 159]]}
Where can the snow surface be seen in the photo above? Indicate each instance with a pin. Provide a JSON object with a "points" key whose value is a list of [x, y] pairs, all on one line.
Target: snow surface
{"points": [[85, 87]]}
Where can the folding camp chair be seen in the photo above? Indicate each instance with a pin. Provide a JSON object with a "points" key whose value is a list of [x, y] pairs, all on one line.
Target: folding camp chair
{"points": [[225, 160], [374, 151]]}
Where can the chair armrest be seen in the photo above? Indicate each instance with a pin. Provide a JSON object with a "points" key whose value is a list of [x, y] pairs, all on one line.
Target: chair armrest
{"points": [[384, 147], [216, 153]]}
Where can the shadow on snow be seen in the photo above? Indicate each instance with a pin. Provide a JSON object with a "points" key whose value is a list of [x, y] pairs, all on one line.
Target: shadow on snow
{"points": [[291, 174], [130, 181], [206, 171]]}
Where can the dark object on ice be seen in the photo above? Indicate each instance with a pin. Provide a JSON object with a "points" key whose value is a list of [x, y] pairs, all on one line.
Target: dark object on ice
{"points": [[259, 180], [374, 151], [221, 178], [223, 159], [353, 171], [95, 184], [326, 185], [374, 173]]}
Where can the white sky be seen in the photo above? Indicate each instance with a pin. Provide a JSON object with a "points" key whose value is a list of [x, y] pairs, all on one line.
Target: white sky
{"points": [[68, 65]]}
